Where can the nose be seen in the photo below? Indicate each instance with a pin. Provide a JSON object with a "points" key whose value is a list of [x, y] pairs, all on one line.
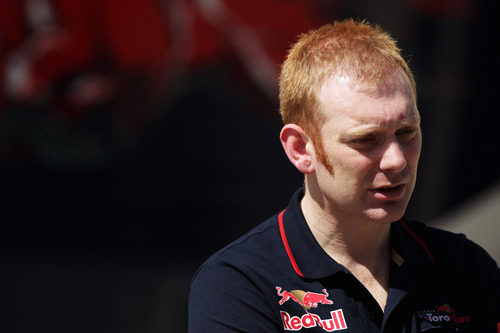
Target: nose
{"points": [[393, 158]]}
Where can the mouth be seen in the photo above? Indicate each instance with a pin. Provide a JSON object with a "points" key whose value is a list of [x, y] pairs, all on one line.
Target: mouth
{"points": [[388, 192]]}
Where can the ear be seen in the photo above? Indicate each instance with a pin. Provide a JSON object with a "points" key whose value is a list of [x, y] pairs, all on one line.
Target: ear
{"points": [[298, 147]]}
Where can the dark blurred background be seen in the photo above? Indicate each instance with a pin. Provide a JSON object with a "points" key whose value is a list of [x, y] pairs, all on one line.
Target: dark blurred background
{"points": [[139, 136]]}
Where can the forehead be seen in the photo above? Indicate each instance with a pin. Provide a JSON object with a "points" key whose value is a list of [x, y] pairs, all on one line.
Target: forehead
{"points": [[344, 101]]}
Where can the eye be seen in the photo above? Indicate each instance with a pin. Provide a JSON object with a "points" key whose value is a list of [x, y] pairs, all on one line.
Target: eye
{"points": [[407, 134], [364, 142], [363, 139]]}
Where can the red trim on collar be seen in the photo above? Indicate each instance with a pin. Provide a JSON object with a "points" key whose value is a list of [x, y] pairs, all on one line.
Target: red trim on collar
{"points": [[287, 247], [426, 249]]}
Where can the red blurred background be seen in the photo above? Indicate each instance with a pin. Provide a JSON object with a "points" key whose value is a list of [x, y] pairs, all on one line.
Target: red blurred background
{"points": [[137, 137]]}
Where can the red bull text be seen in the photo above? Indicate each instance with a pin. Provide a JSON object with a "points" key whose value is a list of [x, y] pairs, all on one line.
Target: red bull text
{"points": [[336, 322]]}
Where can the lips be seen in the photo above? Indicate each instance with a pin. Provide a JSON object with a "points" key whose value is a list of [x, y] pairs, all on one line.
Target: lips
{"points": [[388, 192]]}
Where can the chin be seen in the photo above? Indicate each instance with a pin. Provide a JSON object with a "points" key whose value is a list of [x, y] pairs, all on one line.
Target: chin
{"points": [[385, 215]]}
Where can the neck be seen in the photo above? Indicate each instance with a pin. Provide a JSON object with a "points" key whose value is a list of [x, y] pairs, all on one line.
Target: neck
{"points": [[362, 246], [347, 240]]}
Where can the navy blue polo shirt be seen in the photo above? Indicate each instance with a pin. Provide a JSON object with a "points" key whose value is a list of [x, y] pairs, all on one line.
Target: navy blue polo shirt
{"points": [[277, 278]]}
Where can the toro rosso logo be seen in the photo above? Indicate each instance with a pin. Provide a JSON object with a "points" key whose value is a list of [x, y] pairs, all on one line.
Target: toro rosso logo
{"points": [[309, 300], [305, 299], [445, 313]]}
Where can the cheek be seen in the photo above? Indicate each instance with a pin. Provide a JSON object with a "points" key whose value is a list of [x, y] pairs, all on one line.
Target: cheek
{"points": [[413, 154], [356, 167]]}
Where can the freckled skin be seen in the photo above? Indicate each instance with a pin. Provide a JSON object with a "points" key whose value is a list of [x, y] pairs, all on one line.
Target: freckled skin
{"points": [[372, 138]]}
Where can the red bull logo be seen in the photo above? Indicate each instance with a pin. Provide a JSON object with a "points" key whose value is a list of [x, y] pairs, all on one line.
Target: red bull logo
{"points": [[307, 299], [336, 322]]}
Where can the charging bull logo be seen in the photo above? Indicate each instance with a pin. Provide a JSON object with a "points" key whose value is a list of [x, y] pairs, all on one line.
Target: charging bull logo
{"points": [[307, 299]]}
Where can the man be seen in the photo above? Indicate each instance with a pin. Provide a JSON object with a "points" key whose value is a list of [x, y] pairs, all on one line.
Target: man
{"points": [[341, 256]]}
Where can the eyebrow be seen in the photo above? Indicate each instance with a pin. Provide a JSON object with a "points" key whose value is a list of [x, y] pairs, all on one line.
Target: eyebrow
{"points": [[374, 129]]}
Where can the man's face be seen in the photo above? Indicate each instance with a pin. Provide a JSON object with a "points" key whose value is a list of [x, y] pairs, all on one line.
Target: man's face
{"points": [[371, 136]]}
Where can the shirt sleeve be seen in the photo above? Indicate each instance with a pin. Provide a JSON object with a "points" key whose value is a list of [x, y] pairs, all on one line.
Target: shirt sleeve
{"points": [[470, 276], [484, 282], [473, 279], [223, 298]]}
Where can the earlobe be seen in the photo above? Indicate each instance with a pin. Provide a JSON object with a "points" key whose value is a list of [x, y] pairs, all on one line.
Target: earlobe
{"points": [[295, 143]]}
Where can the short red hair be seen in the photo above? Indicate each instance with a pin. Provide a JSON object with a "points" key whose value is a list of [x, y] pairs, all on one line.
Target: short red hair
{"points": [[350, 48]]}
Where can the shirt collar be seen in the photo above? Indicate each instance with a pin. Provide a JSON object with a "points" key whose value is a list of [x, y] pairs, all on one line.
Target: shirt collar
{"points": [[406, 242], [312, 262]]}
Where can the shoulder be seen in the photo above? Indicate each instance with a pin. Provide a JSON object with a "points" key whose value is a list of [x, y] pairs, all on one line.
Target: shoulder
{"points": [[252, 259], [446, 243], [456, 255], [247, 249], [231, 288]]}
